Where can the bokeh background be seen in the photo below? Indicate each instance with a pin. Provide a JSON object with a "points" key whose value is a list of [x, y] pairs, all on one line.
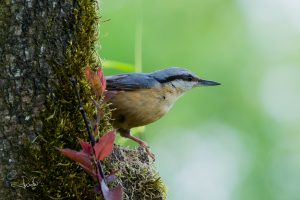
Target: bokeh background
{"points": [[239, 141]]}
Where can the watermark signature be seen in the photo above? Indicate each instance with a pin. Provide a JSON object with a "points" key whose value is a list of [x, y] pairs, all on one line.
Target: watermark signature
{"points": [[27, 182]]}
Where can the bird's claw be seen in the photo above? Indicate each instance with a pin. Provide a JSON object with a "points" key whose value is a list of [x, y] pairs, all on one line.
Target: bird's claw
{"points": [[148, 151], [144, 145]]}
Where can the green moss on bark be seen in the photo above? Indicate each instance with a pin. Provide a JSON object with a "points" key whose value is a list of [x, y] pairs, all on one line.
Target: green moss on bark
{"points": [[58, 177], [63, 124]]}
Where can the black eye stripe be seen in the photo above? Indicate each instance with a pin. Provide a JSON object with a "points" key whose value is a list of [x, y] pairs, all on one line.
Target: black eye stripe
{"points": [[178, 77], [190, 78]]}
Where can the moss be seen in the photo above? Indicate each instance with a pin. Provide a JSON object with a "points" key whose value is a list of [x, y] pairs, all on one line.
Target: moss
{"points": [[63, 124], [60, 178], [137, 174]]}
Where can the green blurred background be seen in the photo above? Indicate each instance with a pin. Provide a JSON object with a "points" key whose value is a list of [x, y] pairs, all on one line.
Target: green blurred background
{"points": [[239, 141]]}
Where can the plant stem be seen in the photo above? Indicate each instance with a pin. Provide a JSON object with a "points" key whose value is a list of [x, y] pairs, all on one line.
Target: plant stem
{"points": [[91, 137]]}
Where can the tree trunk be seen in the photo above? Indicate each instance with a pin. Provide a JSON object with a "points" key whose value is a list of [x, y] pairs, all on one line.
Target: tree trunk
{"points": [[42, 44]]}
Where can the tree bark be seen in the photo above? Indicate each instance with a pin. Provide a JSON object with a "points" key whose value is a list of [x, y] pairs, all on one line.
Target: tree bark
{"points": [[42, 44], [35, 49]]}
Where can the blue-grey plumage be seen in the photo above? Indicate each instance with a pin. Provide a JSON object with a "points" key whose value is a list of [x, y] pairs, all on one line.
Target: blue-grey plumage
{"points": [[130, 82], [135, 81], [143, 98]]}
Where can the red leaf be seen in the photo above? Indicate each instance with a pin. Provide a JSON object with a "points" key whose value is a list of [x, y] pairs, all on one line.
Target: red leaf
{"points": [[97, 80], [115, 193], [86, 147], [88, 73], [90, 171], [84, 159], [104, 146], [102, 79]]}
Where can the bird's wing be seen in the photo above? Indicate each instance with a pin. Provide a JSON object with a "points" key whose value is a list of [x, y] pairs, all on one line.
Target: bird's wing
{"points": [[130, 82]]}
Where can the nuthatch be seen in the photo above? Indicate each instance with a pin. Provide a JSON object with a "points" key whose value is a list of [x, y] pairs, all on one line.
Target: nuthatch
{"points": [[142, 98]]}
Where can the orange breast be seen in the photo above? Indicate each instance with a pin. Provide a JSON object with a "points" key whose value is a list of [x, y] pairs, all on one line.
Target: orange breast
{"points": [[138, 108]]}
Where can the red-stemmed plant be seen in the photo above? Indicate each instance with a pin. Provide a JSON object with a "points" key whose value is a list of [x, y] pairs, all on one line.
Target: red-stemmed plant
{"points": [[92, 153]]}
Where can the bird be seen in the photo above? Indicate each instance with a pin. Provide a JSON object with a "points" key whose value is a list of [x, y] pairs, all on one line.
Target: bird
{"points": [[138, 99]]}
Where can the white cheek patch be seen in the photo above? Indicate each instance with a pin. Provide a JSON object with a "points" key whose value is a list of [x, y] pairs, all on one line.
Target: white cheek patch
{"points": [[183, 85], [172, 97], [179, 87]]}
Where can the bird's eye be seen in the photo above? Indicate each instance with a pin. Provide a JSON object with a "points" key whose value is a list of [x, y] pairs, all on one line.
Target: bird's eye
{"points": [[189, 78]]}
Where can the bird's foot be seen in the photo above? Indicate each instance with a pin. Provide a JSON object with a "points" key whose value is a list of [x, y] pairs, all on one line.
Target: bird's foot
{"points": [[145, 146], [126, 133]]}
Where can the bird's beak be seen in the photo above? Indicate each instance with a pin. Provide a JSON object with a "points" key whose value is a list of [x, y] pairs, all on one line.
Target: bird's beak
{"points": [[202, 82]]}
